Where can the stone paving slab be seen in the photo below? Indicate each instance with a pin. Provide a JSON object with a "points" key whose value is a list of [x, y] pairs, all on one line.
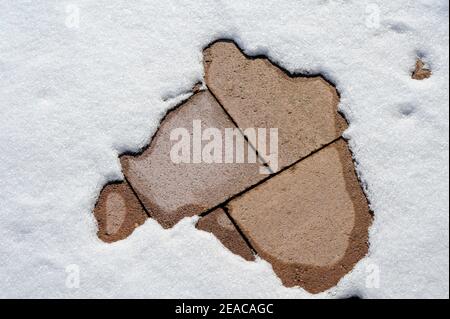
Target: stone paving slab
{"points": [[118, 212], [310, 222], [218, 223], [258, 94], [171, 191]]}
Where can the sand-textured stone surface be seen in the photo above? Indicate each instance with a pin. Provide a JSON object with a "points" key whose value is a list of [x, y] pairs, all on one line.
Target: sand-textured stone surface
{"points": [[118, 212], [218, 223], [310, 222], [170, 190], [421, 72], [258, 94]]}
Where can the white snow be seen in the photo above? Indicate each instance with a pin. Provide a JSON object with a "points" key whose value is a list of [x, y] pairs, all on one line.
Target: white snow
{"points": [[75, 93]]}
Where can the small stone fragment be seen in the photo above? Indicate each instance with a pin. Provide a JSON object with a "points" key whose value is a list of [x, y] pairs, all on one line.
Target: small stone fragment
{"points": [[118, 212], [421, 72]]}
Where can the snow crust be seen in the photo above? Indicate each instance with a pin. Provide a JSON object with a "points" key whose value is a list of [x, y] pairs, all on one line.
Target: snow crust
{"points": [[75, 93]]}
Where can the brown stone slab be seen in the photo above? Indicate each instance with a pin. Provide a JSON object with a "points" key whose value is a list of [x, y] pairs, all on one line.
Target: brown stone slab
{"points": [[171, 191], [118, 212], [258, 94], [218, 223], [421, 72], [310, 222]]}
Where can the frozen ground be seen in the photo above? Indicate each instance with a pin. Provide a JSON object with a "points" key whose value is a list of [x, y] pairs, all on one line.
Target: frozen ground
{"points": [[77, 92]]}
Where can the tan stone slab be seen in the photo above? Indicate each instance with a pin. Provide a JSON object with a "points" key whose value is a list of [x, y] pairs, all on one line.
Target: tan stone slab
{"points": [[218, 223], [421, 72], [118, 212], [257, 93], [171, 191], [310, 221]]}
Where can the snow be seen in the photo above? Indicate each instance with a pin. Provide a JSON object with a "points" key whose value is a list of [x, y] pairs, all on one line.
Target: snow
{"points": [[77, 90]]}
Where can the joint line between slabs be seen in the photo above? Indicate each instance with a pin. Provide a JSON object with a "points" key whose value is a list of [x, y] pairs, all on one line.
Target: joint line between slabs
{"points": [[239, 230], [263, 161], [272, 175], [225, 203], [138, 198]]}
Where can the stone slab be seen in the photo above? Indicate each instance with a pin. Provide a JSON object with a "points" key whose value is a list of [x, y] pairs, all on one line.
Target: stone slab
{"points": [[310, 221], [258, 94], [171, 191]]}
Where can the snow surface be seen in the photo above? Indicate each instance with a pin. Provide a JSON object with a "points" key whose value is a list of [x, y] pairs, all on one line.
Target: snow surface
{"points": [[75, 94]]}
